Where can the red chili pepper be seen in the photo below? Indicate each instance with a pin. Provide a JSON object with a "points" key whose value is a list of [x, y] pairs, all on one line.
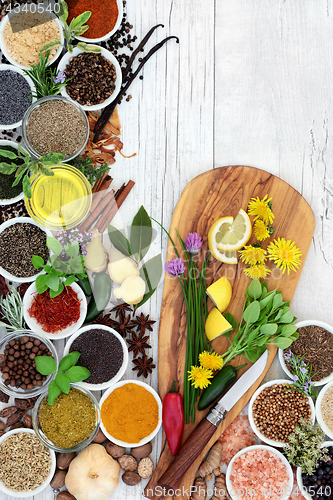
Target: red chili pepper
{"points": [[173, 418]]}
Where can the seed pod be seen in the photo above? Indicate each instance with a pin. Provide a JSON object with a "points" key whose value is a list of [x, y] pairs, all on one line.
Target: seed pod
{"points": [[4, 398], [8, 412], [2, 426], [24, 404], [27, 421], [58, 480], [17, 425], [15, 417], [64, 459]]}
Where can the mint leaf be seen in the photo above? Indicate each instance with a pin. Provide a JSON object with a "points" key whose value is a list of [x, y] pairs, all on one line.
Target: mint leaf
{"points": [[37, 261], [45, 365], [54, 245]]}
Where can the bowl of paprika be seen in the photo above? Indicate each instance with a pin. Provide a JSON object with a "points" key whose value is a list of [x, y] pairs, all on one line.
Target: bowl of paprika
{"points": [[173, 418]]}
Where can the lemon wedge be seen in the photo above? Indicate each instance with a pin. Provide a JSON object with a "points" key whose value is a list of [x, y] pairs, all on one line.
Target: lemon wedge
{"points": [[216, 324], [230, 237], [220, 293]]}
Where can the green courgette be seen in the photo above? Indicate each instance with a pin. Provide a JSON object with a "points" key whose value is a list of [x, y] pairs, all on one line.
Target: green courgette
{"points": [[222, 380], [101, 297], [84, 283]]}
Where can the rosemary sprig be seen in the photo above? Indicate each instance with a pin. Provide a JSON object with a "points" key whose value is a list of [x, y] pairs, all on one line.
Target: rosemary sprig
{"points": [[12, 310], [48, 81]]}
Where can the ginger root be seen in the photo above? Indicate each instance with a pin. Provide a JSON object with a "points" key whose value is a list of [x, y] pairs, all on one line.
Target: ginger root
{"points": [[199, 489], [220, 489], [97, 257], [121, 267], [212, 461], [131, 290]]}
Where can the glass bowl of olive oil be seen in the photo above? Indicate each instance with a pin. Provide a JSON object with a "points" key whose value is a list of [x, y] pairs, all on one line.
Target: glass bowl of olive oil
{"points": [[61, 201]]}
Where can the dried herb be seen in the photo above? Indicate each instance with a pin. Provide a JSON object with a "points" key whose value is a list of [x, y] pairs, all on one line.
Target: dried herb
{"points": [[138, 344], [123, 326], [121, 309], [143, 365], [12, 310], [143, 323]]}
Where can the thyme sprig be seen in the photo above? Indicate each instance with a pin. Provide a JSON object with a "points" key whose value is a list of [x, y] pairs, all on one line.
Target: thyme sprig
{"points": [[12, 310]]}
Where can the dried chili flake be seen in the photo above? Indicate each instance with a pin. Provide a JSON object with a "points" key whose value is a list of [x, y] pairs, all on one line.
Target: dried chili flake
{"points": [[58, 313]]}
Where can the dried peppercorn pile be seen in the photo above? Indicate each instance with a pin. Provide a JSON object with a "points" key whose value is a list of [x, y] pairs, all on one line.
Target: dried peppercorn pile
{"points": [[92, 78], [101, 352]]}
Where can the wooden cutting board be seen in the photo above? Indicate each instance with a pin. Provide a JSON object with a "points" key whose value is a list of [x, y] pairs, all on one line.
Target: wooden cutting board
{"points": [[214, 194]]}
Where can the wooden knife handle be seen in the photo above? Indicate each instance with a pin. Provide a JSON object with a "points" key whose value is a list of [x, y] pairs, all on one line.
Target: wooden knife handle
{"points": [[190, 450]]}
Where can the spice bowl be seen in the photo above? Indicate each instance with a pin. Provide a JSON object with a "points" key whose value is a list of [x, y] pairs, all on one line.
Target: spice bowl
{"points": [[65, 60], [265, 439], [307, 323], [16, 338], [103, 351], [309, 491], [111, 32], [67, 421], [52, 467], [319, 411], [12, 222], [10, 201], [36, 326], [262, 456], [135, 404]]}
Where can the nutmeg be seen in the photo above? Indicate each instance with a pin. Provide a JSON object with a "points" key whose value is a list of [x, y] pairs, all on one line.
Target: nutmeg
{"points": [[127, 462], [142, 451], [146, 467], [131, 478], [114, 450], [65, 495], [58, 480], [64, 459], [99, 438]]}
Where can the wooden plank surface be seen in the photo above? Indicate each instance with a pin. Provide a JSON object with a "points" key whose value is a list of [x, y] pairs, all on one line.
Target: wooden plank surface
{"points": [[214, 194]]}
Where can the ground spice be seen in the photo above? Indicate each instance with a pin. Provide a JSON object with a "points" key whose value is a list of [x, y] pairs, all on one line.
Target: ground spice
{"points": [[18, 243], [70, 420], [130, 413], [104, 15], [316, 344], [14, 210], [56, 127], [55, 314], [101, 352], [327, 408], [14, 97], [7, 191]]}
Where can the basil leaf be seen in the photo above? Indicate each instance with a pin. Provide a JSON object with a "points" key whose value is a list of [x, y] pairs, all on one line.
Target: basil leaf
{"points": [[231, 319], [252, 312], [268, 329], [119, 241], [53, 283], [42, 282], [37, 261], [141, 234], [26, 186], [67, 362], [55, 293], [45, 365], [76, 355], [151, 272], [254, 289], [54, 391], [63, 382], [70, 279], [77, 373], [54, 245]]}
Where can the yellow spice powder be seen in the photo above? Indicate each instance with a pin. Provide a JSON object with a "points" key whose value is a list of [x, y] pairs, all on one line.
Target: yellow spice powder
{"points": [[130, 413]]}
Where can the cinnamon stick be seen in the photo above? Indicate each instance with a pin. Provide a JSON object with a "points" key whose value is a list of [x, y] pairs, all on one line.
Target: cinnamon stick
{"points": [[97, 212], [119, 199], [99, 182], [98, 195]]}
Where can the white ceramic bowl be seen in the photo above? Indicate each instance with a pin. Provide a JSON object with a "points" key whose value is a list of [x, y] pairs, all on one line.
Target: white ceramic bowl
{"points": [[230, 488], [300, 480], [9, 67], [117, 377], [108, 55], [4, 226], [36, 327], [147, 438], [36, 491], [272, 442], [20, 196], [308, 322], [320, 419], [5, 21], [108, 35]]}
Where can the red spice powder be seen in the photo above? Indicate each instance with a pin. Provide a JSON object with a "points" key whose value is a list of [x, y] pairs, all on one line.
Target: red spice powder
{"points": [[104, 14], [57, 313]]}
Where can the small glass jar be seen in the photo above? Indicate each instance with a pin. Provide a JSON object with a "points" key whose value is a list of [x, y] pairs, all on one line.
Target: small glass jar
{"points": [[40, 434], [17, 392]]}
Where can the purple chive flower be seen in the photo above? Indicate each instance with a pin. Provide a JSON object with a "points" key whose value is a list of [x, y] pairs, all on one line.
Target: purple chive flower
{"points": [[60, 77], [175, 267], [193, 243]]}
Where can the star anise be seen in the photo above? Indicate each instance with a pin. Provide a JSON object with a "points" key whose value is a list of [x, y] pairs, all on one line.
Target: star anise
{"points": [[121, 308], [144, 365], [123, 326], [104, 320], [143, 323], [138, 343]]}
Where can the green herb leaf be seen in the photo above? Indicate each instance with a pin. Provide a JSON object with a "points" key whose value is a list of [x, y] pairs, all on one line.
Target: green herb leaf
{"points": [[26, 186], [54, 245], [67, 362], [268, 329], [145, 298], [45, 365], [8, 154], [54, 391], [288, 330], [53, 159], [63, 382], [80, 30], [75, 355], [7, 168], [254, 289], [288, 317], [282, 342], [73, 249], [254, 354], [19, 175], [77, 373], [44, 170], [63, 11], [231, 319], [55, 293], [119, 241], [37, 262], [151, 272], [141, 234], [49, 45], [70, 279], [252, 312], [79, 20], [53, 283], [89, 48]]}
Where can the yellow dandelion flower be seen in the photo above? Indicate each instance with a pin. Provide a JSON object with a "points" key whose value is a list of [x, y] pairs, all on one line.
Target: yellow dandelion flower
{"points": [[261, 209], [200, 377], [261, 231], [285, 254], [252, 255], [210, 360], [257, 271]]}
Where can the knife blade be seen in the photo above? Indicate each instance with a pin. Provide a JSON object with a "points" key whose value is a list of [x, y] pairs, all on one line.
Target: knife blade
{"points": [[206, 428]]}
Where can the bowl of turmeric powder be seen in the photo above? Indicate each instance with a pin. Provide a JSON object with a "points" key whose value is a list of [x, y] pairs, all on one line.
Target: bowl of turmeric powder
{"points": [[131, 413]]}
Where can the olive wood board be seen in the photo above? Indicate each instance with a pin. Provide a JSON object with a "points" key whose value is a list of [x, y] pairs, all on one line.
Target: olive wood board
{"points": [[216, 193]]}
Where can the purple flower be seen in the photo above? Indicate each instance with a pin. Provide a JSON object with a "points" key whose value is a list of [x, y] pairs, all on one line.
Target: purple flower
{"points": [[193, 243], [288, 355], [294, 377], [303, 369], [60, 77], [175, 267]]}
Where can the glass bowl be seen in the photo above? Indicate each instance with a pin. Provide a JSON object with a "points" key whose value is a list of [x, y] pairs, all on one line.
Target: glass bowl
{"points": [[17, 392], [108, 35], [20, 196], [26, 142], [40, 434], [62, 201]]}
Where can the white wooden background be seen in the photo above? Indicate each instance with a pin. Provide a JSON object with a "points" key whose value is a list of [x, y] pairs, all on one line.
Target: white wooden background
{"points": [[250, 83]]}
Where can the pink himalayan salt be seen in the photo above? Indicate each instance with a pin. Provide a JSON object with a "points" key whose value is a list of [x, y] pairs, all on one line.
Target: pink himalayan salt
{"points": [[296, 493], [259, 474], [236, 437]]}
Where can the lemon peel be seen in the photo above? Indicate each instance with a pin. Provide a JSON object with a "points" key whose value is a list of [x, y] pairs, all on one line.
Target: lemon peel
{"points": [[220, 293], [216, 324]]}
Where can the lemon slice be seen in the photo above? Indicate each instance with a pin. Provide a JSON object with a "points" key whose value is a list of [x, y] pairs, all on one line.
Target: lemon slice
{"points": [[225, 257], [216, 324], [221, 225], [220, 293], [233, 236]]}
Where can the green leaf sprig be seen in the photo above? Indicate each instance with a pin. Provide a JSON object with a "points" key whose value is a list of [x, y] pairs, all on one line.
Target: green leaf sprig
{"points": [[71, 267], [66, 373], [39, 166], [137, 247], [76, 28], [86, 166], [266, 319], [12, 309]]}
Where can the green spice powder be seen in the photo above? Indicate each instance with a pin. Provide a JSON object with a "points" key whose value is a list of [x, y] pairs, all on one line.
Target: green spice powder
{"points": [[6, 181], [70, 419]]}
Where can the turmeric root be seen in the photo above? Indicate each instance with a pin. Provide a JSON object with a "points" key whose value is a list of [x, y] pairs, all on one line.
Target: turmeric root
{"points": [[220, 489], [200, 489], [212, 461]]}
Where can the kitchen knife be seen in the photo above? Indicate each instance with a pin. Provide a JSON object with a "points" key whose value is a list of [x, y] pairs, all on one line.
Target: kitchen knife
{"points": [[206, 428]]}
